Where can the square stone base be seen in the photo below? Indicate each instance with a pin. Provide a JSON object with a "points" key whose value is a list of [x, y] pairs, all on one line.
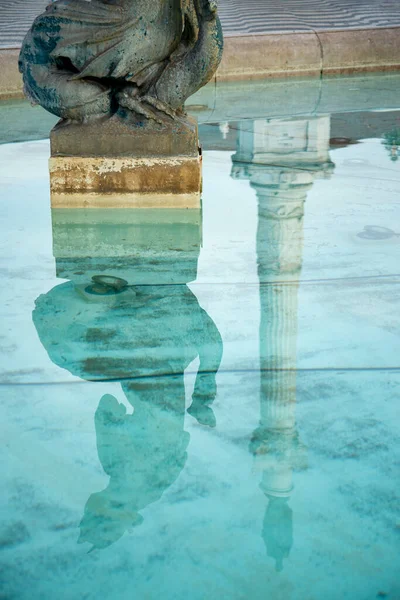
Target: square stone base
{"points": [[121, 182], [122, 163]]}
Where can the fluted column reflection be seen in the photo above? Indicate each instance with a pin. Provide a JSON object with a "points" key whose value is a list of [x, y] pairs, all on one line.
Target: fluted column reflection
{"points": [[281, 159]]}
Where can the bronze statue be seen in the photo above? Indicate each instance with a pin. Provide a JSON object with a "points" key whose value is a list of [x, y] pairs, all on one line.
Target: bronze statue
{"points": [[86, 60]]}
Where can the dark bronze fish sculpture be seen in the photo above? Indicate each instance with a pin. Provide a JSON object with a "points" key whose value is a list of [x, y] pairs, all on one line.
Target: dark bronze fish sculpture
{"points": [[83, 60]]}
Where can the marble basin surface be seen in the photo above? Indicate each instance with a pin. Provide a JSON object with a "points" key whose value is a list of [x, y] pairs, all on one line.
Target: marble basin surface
{"points": [[216, 414]]}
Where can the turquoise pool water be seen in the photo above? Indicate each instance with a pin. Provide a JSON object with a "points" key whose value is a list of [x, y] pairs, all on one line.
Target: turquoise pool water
{"points": [[219, 417]]}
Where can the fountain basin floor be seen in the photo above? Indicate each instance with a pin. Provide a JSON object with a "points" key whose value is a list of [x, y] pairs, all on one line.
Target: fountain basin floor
{"points": [[225, 424]]}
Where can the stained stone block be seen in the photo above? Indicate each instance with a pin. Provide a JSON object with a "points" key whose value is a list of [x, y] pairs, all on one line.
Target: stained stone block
{"points": [[115, 164]]}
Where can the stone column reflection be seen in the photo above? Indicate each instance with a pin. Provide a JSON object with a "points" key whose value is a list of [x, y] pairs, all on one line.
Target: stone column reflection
{"points": [[281, 159]]}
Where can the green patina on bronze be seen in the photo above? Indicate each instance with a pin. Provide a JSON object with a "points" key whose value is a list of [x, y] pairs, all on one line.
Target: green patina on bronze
{"points": [[84, 60]]}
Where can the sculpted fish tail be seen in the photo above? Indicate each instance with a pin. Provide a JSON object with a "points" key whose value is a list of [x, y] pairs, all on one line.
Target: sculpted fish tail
{"points": [[184, 77], [83, 60], [48, 82]]}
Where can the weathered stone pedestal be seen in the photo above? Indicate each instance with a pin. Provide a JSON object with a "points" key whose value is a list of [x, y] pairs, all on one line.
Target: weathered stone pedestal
{"points": [[118, 164]]}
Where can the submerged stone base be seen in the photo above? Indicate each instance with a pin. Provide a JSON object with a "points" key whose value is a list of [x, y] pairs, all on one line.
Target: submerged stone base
{"points": [[91, 182], [118, 163], [144, 247]]}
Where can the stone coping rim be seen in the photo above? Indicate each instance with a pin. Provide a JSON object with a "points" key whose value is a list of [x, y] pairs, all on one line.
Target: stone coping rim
{"points": [[307, 29], [287, 54]]}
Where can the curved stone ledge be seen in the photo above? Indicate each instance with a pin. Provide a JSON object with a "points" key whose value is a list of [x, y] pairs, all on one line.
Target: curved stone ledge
{"points": [[277, 55], [310, 54]]}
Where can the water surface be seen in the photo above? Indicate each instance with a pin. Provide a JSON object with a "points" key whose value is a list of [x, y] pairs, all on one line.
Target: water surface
{"points": [[219, 417]]}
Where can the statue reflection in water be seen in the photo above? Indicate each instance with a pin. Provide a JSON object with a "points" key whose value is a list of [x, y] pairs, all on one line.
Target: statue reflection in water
{"points": [[281, 159], [127, 315]]}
